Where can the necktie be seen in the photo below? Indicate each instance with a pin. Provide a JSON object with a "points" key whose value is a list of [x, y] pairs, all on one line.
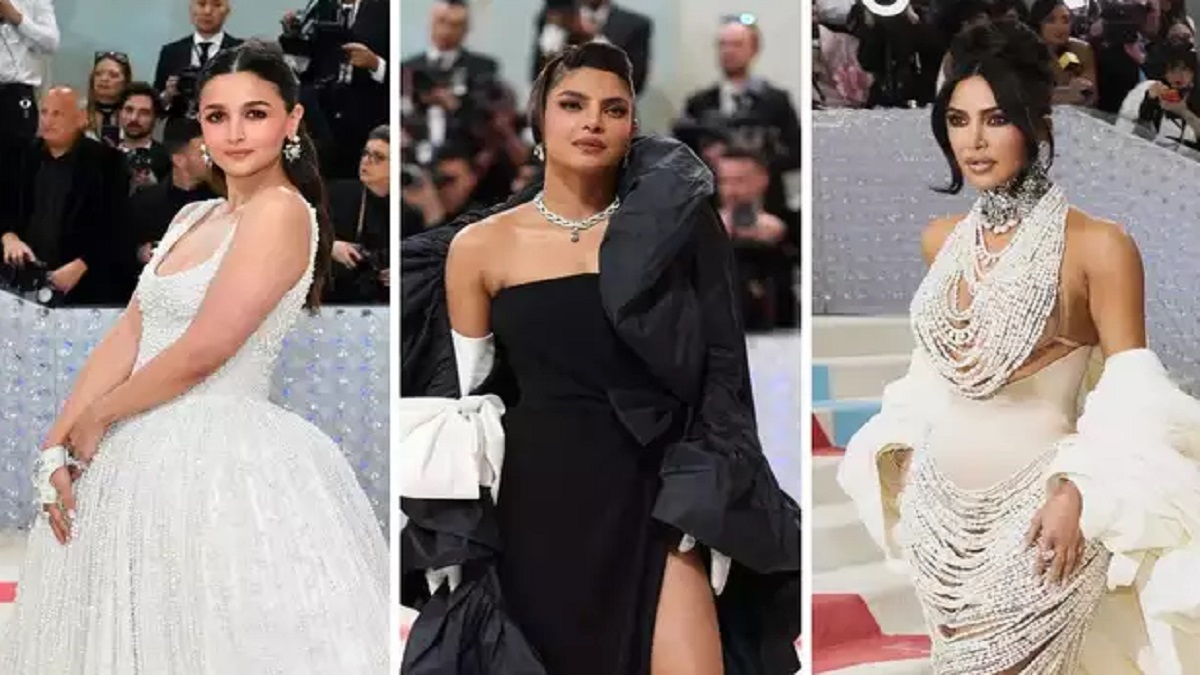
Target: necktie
{"points": [[204, 52]]}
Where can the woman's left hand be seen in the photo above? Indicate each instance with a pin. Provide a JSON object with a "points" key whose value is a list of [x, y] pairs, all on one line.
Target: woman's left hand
{"points": [[84, 437], [1055, 531]]}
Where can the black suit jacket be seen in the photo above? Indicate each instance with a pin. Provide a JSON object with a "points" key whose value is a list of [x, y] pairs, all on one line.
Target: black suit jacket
{"points": [[667, 286], [176, 56], [96, 203], [477, 66], [773, 107], [626, 29]]}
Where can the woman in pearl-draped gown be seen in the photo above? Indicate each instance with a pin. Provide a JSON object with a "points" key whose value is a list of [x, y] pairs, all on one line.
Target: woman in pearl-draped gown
{"points": [[213, 532], [1006, 505]]}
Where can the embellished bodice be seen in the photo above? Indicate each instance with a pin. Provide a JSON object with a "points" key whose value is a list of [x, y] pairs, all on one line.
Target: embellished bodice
{"points": [[979, 314], [170, 302]]}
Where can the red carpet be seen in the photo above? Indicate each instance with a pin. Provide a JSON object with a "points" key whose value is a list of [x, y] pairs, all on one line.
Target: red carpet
{"points": [[8, 591], [819, 439], [846, 634]]}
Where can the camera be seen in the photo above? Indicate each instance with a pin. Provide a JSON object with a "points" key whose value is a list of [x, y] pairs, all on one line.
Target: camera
{"points": [[32, 283], [318, 34], [1123, 22]]}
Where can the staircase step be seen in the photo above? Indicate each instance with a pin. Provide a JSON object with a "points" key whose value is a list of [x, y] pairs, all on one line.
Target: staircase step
{"points": [[860, 336], [841, 419], [856, 377], [840, 539], [824, 486], [889, 595]]}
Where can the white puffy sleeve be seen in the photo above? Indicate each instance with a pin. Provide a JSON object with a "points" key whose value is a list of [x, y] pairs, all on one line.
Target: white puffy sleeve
{"points": [[1135, 458], [873, 470]]}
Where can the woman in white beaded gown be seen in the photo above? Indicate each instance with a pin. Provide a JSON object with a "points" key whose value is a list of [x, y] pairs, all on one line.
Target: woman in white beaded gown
{"points": [[208, 531], [1038, 541]]}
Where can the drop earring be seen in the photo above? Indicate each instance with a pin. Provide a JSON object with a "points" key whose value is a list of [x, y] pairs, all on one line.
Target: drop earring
{"points": [[292, 149], [204, 155], [540, 152]]}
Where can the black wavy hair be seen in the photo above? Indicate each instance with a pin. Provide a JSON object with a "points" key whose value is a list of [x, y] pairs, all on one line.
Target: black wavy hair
{"points": [[1041, 10], [265, 60], [598, 55], [1017, 66]]}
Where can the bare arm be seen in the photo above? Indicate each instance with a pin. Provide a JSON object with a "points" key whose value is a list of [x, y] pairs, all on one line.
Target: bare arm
{"points": [[1116, 288], [109, 364], [467, 297], [268, 254]]}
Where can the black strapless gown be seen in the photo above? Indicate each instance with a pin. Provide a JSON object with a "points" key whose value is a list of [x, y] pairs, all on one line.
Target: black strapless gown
{"points": [[583, 560]]}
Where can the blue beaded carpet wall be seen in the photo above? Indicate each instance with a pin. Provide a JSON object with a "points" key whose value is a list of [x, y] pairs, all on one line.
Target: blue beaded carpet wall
{"points": [[333, 372]]}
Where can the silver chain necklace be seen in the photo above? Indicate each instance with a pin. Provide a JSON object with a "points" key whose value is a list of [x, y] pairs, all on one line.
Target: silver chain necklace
{"points": [[575, 226]]}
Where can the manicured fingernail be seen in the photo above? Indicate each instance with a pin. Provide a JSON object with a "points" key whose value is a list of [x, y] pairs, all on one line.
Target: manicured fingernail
{"points": [[71, 514]]}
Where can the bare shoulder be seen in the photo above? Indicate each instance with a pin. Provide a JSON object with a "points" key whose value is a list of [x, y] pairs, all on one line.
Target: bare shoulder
{"points": [[483, 235], [278, 206], [935, 233], [1105, 246]]}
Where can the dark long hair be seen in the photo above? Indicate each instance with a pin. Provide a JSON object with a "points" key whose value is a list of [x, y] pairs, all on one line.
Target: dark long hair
{"points": [[1017, 66], [266, 61]]}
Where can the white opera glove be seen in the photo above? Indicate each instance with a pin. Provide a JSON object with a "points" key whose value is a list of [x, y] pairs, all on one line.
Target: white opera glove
{"points": [[721, 563], [474, 358], [451, 575]]}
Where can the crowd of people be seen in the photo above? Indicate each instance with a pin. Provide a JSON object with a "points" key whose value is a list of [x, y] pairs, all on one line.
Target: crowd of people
{"points": [[466, 142], [1135, 59], [90, 180]]}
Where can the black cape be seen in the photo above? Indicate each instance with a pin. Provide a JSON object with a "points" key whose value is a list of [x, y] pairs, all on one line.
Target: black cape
{"points": [[668, 286]]}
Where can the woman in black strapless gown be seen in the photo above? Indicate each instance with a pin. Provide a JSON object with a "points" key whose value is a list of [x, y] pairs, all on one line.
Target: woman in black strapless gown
{"points": [[577, 485], [613, 341]]}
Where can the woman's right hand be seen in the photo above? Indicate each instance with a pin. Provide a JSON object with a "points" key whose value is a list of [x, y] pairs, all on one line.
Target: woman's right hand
{"points": [[16, 252], [1156, 89], [347, 254], [61, 517]]}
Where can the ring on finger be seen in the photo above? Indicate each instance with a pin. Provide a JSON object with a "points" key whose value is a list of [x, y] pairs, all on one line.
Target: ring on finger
{"points": [[1048, 554]]}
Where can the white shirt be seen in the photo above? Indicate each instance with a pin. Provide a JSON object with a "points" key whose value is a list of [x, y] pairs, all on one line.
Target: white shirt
{"points": [[216, 41], [23, 47]]}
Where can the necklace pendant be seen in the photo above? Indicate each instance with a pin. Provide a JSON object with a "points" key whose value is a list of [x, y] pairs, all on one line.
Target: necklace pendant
{"points": [[574, 234]]}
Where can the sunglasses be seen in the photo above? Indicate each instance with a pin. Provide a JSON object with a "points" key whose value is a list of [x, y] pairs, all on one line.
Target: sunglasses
{"points": [[373, 156], [745, 18], [119, 57]]}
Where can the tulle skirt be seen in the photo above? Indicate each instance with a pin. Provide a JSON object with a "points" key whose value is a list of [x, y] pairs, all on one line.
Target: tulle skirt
{"points": [[213, 535]]}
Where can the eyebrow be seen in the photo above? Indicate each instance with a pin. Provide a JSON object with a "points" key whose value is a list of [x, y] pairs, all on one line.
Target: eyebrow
{"points": [[570, 93], [985, 111], [248, 104]]}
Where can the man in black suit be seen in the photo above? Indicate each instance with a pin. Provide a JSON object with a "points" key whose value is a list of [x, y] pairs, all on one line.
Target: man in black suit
{"points": [[439, 79], [180, 61], [747, 111], [152, 209], [60, 203], [349, 83], [596, 20]]}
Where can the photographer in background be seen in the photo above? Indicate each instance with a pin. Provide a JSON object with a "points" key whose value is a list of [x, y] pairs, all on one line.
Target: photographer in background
{"points": [[179, 62], [757, 236], [29, 30], [149, 163], [58, 217], [1121, 50], [443, 83], [1171, 106], [747, 111], [339, 47], [152, 209], [359, 209], [901, 53], [564, 22]]}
